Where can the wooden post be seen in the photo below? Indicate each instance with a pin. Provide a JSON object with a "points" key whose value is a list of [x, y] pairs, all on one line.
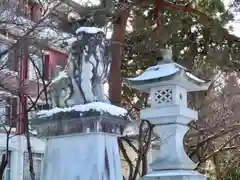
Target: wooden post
{"points": [[35, 12]]}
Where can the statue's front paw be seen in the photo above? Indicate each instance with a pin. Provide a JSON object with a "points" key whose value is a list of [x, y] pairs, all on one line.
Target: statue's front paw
{"points": [[90, 100], [95, 99], [87, 101]]}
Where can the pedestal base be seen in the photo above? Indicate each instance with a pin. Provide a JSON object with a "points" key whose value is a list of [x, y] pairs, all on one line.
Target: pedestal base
{"points": [[174, 175], [92, 156]]}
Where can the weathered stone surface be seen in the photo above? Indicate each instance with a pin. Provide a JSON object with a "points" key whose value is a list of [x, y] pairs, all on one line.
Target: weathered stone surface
{"points": [[174, 175], [76, 122], [168, 84]]}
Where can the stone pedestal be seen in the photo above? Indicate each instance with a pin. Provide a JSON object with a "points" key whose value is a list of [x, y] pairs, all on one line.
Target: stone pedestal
{"points": [[171, 126], [86, 156], [81, 145], [172, 162], [171, 119], [174, 175]]}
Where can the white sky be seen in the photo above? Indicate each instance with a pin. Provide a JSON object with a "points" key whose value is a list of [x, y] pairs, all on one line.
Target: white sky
{"points": [[234, 24]]}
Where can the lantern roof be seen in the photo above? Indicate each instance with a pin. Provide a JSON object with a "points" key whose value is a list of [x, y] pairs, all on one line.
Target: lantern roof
{"points": [[165, 73]]}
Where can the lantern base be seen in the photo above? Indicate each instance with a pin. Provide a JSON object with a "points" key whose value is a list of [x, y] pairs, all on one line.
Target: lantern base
{"points": [[174, 175]]}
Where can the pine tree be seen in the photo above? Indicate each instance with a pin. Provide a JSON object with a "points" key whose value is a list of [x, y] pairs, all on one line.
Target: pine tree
{"points": [[196, 34]]}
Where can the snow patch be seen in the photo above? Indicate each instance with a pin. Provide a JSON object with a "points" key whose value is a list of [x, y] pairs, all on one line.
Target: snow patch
{"points": [[61, 75], [6, 94], [89, 30], [191, 76], [8, 71], [157, 71], [98, 106], [164, 70]]}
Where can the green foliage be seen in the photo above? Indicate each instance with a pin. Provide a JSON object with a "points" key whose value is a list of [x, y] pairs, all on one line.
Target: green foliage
{"points": [[199, 42], [234, 174]]}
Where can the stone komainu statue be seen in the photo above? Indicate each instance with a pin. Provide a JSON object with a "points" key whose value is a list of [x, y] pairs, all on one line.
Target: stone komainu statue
{"points": [[86, 72]]}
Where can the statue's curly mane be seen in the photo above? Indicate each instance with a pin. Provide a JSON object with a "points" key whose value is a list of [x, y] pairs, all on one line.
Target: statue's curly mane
{"points": [[87, 47], [86, 72], [85, 44]]}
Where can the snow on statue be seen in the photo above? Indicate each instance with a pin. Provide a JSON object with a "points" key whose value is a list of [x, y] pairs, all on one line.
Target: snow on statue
{"points": [[87, 70]]}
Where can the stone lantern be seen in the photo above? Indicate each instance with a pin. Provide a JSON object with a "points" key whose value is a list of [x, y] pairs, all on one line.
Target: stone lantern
{"points": [[168, 84]]}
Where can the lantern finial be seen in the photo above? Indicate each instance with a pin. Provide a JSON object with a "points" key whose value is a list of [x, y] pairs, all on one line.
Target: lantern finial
{"points": [[166, 56]]}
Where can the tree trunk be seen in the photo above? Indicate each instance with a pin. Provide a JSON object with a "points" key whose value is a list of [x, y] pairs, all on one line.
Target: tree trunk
{"points": [[218, 174], [115, 79], [144, 164], [3, 165], [29, 149]]}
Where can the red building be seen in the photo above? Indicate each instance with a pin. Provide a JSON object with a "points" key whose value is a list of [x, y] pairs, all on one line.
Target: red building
{"points": [[18, 77]]}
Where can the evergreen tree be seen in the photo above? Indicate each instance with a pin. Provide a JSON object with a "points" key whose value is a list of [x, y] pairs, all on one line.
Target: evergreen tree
{"points": [[196, 34], [193, 30]]}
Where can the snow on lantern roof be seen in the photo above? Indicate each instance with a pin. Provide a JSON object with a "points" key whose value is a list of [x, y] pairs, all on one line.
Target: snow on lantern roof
{"points": [[89, 30], [167, 72]]}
